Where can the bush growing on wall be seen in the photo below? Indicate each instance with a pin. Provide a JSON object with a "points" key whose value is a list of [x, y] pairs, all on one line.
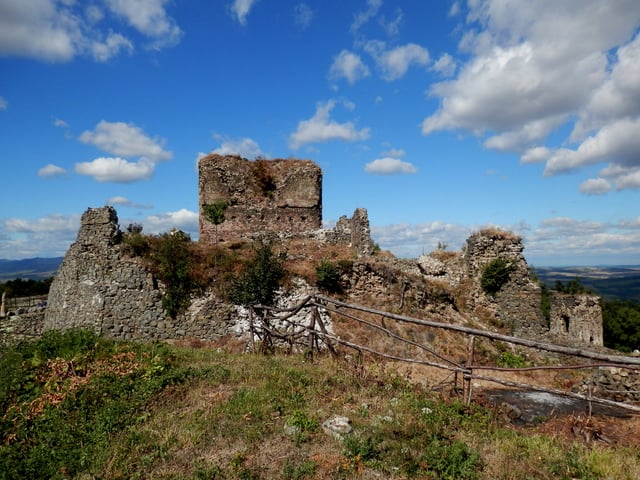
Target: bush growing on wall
{"points": [[258, 283], [171, 260], [495, 275]]}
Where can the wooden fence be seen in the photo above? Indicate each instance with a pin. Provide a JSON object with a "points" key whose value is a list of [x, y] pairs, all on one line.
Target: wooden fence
{"points": [[270, 325]]}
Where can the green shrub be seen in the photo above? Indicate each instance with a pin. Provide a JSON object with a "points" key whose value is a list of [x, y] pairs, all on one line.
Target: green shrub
{"points": [[495, 275], [328, 277], [258, 283], [172, 262]]}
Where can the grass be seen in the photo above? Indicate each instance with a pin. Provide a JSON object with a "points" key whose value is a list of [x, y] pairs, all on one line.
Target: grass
{"points": [[76, 406]]}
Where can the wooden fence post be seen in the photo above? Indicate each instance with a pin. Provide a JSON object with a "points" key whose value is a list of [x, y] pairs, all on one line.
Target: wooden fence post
{"points": [[468, 375]]}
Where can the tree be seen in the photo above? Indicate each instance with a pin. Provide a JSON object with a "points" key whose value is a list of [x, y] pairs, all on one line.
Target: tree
{"points": [[260, 280], [214, 213]]}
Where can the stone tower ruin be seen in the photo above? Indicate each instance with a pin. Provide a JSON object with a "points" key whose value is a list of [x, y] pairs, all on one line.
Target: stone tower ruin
{"points": [[263, 196]]}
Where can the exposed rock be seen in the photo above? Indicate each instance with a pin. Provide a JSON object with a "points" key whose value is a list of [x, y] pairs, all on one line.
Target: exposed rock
{"points": [[431, 267], [337, 426]]}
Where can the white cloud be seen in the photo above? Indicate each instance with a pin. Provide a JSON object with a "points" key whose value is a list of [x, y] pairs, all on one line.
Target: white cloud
{"points": [[392, 27], [395, 62], [394, 152], [241, 8], [48, 236], [110, 47], [119, 170], [245, 147], [389, 166], [617, 142], [51, 170], [535, 155], [348, 65], [182, 219], [58, 31], [302, 15], [364, 16], [150, 18], [617, 97], [125, 202], [320, 128], [595, 186], [413, 240], [43, 29], [537, 66], [57, 122], [3, 104], [455, 9], [445, 65], [127, 140]]}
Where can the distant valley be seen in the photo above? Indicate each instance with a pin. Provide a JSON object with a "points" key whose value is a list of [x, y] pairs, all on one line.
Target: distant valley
{"points": [[29, 268], [611, 282]]}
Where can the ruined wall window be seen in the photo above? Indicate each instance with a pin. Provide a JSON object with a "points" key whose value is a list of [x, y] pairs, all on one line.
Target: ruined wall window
{"points": [[566, 320]]}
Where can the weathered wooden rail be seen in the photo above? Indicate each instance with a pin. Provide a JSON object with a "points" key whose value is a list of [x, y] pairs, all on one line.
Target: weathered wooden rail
{"points": [[270, 325]]}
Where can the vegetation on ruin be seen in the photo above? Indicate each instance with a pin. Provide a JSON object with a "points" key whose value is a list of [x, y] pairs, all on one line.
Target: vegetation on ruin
{"points": [[495, 275], [74, 405], [215, 213], [263, 176], [260, 278]]}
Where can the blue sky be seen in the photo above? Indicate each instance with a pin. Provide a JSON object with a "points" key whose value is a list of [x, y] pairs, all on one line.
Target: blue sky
{"points": [[439, 117]]}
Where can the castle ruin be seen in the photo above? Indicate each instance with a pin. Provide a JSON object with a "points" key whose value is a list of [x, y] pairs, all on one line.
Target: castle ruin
{"points": [[263, 197]]}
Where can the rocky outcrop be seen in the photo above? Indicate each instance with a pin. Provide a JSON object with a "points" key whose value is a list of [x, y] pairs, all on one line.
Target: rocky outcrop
{"points": [[264, 196]]}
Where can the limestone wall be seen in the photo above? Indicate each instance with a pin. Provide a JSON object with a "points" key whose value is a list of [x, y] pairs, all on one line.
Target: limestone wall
{"points": [[264, 196]]}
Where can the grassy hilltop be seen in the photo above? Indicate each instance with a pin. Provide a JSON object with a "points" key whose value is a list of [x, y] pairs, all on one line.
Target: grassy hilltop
{"points": [[77, 406]]}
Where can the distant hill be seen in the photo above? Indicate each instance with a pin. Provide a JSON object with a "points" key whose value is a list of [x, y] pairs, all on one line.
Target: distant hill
{"points": [[29, 268], [611, 282]]}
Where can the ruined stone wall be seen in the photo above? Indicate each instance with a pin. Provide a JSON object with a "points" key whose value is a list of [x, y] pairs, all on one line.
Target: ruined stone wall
{"points": [[263, 196], [101, 288], [517, 304], [576, 319], [354, 231], [98, 287]]}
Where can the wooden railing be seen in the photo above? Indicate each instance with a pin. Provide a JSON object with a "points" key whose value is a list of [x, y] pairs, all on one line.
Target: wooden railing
{"points": [[270, 325]]}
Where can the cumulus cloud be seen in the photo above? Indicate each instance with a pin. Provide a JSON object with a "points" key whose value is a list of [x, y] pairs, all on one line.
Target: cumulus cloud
{"points": [[362, 17], [445, 65], [125, 202], [127, 140], [302, 15], [617, 142], [103, 51], [240, 9], [51, 170], [348, 65], [413, 240], [116, 169], [245, 147], [320, 128], [3, 104], [58, 31], [48, 236], [595, 186], [182, 219], [535, 155], [150, 18], [389, 166], [394, 62], [540, 67]]}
